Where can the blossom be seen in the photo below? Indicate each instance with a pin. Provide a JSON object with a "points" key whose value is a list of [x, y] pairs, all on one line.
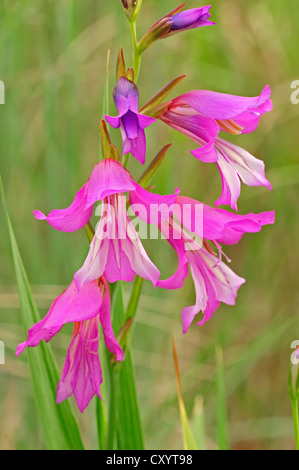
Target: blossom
{"points": [[86, 308], [175, 22], [201, 115], [190, 19], [116, 250], [131, 123], [214, 281]]}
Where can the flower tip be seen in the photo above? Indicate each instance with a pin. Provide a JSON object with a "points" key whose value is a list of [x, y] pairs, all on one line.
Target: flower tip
{"points": [[39, 215]]}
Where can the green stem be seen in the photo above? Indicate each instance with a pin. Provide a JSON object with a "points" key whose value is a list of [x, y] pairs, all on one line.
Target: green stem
{"points": [[295, 409], [112, 408], [136, 54]]}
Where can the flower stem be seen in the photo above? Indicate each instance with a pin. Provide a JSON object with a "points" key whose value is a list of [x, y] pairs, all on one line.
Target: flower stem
{"points": [[136, 54], [295, 409], [112, 407]]}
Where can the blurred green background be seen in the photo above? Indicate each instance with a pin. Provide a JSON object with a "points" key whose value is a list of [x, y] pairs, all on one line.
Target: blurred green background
{"points": [[52, 62]]}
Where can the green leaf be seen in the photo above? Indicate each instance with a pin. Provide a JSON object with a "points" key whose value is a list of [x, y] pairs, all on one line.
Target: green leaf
{"points": [[59, 425], [222, 427], [149, 172], [160, 96], [188, 438], [129, 428], [198, 423]]}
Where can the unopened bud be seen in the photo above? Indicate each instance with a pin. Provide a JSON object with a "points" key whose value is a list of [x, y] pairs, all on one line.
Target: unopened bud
{"points": [[131, 8]]}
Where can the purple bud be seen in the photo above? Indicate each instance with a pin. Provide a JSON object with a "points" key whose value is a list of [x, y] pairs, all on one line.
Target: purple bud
{"points": [[190, 19]]}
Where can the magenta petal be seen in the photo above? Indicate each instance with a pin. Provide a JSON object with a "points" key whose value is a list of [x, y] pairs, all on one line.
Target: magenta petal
{"points": [[190, 19], [82, 374], [236, 227], [176, 241], [250, 169], [138, 147], [145, 121], [214, 283], [131, 125], [207, 153], [126, 96], [71, 219], [71, 306], [105, 320], [220, 105], [114, 121], [150, 207], [249, 120], [108, 177], [201, 129], [231, 186]]}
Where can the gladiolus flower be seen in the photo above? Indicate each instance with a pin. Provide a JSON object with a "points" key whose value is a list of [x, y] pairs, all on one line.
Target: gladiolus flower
{"points": [[86, 308], [201, 115], [116, 250], [214, 281], [131, 123]]}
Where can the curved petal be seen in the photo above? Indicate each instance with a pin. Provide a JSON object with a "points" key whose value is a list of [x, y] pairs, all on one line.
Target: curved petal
{"points": [[71, 306], [126, 96], [108, 177], [220, 105], [138, 147], [249, 120], [176, 241], [231, 186], [214, 283], [114, 121], [145, 121], [201, 129], [82, 373], [250, 169], [154, 208], [72, 218], [190, 19], [207, 153], [105, 320]]}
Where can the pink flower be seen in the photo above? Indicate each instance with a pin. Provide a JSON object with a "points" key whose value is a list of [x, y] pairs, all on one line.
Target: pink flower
{"points": [[214, 281], [116, 250], [202, 114], [131, 123], [82, 374]]}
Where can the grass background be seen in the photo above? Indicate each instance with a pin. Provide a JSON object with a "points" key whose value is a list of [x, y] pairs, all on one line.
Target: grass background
{"points": [[52, 62]]}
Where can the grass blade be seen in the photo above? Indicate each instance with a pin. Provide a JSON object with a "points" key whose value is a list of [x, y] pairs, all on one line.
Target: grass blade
{"points": [[129, 428], [59, 426], [188, 438], [222, 428]]}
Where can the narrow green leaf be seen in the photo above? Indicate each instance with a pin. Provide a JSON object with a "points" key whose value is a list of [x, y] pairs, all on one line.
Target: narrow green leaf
{"points": [[161, 95], [222, 426], [106, 91], [149, 172], [198, 423], [188, 438], [129, 428], [59, 425], [129, 433]]}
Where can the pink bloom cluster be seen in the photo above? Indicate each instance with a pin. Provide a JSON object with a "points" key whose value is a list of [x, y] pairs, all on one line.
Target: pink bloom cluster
{"points": [[116, 252]]}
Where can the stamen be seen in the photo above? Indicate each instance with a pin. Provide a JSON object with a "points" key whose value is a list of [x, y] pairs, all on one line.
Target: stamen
{"points": [[230, 126], [221, 252], [77, 328]]}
